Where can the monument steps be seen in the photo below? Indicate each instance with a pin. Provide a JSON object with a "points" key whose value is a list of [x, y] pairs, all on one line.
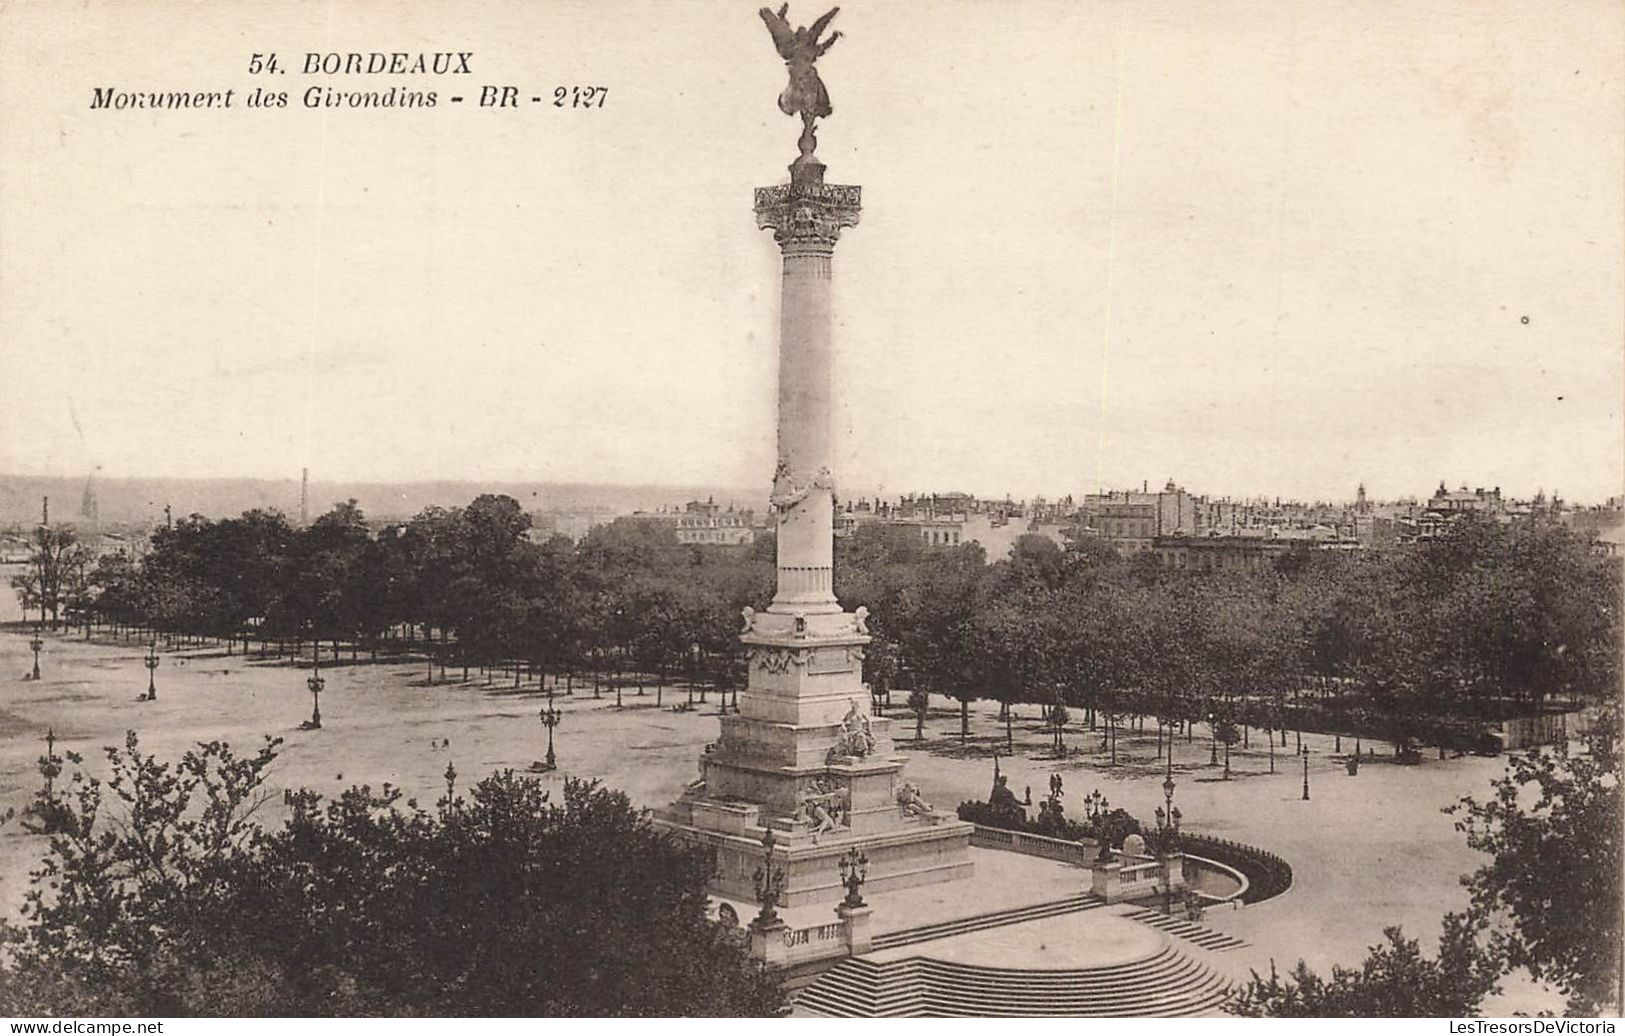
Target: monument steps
{"points": [[1167, 984], [1206, 938], [980, 922]]}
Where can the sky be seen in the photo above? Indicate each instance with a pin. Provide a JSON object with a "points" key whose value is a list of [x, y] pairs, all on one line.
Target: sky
{"points": [[1270, 248]]}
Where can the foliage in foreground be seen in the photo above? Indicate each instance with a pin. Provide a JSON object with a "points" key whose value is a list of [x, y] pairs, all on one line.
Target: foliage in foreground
{"points": [[1552, 829], [169, 898], [1395, 981], [1548, 901]]}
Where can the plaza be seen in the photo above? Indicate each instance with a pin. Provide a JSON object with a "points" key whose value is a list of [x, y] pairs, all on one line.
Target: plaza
{"points": [[1367, 852]]}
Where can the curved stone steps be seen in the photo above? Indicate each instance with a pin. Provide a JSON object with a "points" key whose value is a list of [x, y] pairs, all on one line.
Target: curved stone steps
{"points": [[1206, 938], [1166, 984], [979, 922]]}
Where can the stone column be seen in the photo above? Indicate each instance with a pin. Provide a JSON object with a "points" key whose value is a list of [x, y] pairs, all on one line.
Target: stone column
{"points": [[806, 217]]}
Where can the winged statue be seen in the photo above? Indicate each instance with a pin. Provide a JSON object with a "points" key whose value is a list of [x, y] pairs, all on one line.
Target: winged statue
{"points": [[805, 95]]}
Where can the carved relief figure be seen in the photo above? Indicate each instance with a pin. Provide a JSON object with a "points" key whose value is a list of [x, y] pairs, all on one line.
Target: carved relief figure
{"points": [[824, 805], [856, 737], [821, 818], [788, 488], [908, 797]]}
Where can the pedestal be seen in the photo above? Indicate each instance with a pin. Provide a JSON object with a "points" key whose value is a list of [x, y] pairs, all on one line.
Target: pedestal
{"points": [[805, 758], [860, 934]]}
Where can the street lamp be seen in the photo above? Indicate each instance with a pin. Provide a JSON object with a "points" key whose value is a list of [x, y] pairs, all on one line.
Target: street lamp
{"points": [[151, 662], [550, 717], [1168, 818], [769, 882], [51, 761], [854, 872], [1095, 807], [1168, 785], [1306, 776], [1213, 729], [315, 683], [36, 643]]}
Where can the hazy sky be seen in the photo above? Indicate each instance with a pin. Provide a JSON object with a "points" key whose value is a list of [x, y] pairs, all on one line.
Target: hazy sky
{"points": [[1273, 247]]}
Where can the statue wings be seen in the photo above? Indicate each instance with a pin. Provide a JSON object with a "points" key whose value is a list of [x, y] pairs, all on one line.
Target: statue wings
{"points": [[783, 36], [817, 28]]}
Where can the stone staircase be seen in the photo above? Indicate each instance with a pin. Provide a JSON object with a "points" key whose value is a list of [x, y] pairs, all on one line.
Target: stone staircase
{"points": [[1167, 984], [1206, 938], [980, 922]]}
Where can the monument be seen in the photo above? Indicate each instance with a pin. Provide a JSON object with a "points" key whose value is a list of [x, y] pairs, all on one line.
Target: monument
{"points": [[803, 758]]}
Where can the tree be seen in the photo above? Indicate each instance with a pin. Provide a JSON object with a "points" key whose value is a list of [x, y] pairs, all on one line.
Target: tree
{"points": [[1553, 885], [56, 573], [1395, 981], [919, 702], [501, 903]]}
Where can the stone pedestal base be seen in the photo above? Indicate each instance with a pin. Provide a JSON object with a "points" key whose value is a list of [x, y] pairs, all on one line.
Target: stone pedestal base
{"points": [[806, 760], [913, 852]]}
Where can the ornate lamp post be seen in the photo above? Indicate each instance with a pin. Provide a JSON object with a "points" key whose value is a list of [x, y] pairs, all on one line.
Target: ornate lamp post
{"points": [[854, 872], [1168, 818], [315, 683], [52, 763], [1213, 728], [1306, 776], [1095, 807], [550, 717], [36, 643], [1168, 785], [151, 662], [769, 882]]}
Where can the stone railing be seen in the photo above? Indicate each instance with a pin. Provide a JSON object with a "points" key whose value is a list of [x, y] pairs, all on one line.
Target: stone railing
{"points": [[1136, 877], [1080, 853], [781, 946], [1267, 874], [1199, 870]]}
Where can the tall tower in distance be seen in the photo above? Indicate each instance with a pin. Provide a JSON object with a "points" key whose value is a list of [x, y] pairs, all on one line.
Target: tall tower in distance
{"points": [[89, 508], [304, 497]]}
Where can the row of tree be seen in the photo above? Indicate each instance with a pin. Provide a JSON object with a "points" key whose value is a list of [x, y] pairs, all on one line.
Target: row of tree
{"points": [[1488, 621], [1414, 645]]}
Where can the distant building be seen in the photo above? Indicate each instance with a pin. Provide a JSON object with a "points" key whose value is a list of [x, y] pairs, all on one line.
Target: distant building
{"points": [[1463, 501], [937, 532], [956, 519], [1218, 553], [704, 524], [1131, 521], [708, 523]]}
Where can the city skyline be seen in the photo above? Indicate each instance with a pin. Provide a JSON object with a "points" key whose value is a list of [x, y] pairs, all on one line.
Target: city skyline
{"points": [[122, 502], [1260, 249]]}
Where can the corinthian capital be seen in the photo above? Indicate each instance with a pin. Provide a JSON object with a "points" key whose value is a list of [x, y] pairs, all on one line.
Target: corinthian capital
{"points": [[807, 214]]}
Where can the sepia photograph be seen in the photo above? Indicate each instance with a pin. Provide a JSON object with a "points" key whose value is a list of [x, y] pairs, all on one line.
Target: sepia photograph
{"points": [[665, 509]]}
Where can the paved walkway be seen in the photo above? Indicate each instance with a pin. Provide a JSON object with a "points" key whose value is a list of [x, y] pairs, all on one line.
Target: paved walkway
{"points": [[1367, 852]]}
